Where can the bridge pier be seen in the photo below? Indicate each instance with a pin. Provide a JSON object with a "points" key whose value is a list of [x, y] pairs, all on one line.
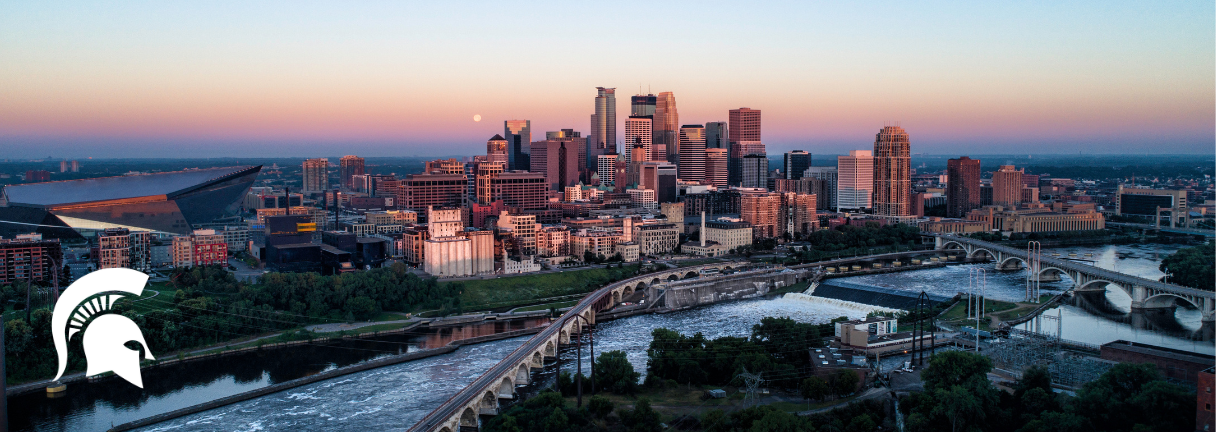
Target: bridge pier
{"points": [[1209, 310]]}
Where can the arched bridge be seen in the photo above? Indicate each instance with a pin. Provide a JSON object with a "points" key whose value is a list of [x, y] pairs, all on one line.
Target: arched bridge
{"points": [[1145, 293], [463, 410]]}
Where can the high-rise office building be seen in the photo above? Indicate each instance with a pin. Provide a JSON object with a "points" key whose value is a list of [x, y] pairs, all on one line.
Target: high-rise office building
{"points": [[1007, 187], [484, 174], [520, 190], [558, 160], [316, 175], [795, 164], [519, 143], [754, 171], [855, 181], [666, 127], [962, 186], [744, 125], [667, 192], [349, 167], [418, 191], [607, 169], [715, 167], [892, 172], [735, 164], [603, 125], [824, 187], [692, 153], [638, 131], [643, 105], [717, 135], [496, 150]]}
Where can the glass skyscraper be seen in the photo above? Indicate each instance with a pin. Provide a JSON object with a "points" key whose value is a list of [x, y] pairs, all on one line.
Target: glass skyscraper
{"points": [[519, 143]]}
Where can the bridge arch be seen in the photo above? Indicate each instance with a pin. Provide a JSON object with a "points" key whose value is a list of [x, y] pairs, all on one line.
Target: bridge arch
{"points": [[957, 246], [563, 337], [1164, 300], [655, 281], [1106, 285], [468, 418], [522, 377], [538, 360], [975, 253], [616, 297], [550, 350], [506, 388], [691, 274]]}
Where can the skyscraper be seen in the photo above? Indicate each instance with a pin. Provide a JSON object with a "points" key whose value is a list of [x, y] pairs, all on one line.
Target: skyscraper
{"points": [[892, 172], [638, 131], [666, 125], [754, 171], [496, 150], [716, 135], [855, 181], [603, 125], [349, 167], [796, 163], [643, 105], [715, 167], [962, 186], [744, 125], [826, 179], [519, 143], [316, 175], [692, 153], [1007, 186], [558, 160], [739, 150]]}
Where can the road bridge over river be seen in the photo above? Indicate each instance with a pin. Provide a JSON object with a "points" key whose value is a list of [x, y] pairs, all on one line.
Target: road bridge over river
{"points": [[1145, 293]]}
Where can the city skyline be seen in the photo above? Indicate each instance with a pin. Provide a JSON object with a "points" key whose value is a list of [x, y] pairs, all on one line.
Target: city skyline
{"points": [[208, 85]]}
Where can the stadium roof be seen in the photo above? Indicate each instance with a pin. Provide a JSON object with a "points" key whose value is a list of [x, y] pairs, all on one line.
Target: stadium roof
{"points": [[166, 184]]}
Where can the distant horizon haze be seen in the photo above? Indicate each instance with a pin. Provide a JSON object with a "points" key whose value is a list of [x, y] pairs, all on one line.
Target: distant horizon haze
{"points": [[281, 78]]}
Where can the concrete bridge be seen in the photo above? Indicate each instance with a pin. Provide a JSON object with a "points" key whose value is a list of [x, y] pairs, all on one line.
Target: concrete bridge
{"points": [[463, 411], [1145, 293]]}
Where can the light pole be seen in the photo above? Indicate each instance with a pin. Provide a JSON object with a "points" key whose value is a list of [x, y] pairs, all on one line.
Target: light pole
{"points": [[978, 278]]}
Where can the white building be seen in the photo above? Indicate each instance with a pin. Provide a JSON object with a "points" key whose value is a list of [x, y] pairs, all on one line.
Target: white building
{"points": [[453, 251], [855, 184]]}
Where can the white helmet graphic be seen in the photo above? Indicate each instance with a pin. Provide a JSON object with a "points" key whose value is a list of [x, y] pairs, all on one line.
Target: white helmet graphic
{"points": [[106, 334]]}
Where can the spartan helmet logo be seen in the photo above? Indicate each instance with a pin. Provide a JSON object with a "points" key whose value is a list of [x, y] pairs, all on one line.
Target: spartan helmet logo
{"points": [[84, 304]]}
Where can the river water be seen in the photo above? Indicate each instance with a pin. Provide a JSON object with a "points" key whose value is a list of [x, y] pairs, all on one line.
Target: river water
{"points": [[395, 397]]}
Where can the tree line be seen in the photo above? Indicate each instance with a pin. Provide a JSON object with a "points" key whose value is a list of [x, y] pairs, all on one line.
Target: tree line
{"points": [[958, 396]]}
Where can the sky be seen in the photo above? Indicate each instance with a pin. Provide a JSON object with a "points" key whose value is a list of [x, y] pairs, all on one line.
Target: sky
{"points": [[297, 78]]}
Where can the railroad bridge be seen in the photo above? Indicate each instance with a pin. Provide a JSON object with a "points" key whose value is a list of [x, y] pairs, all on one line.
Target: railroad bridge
{"points": [[1145, 293], [463, 410]]}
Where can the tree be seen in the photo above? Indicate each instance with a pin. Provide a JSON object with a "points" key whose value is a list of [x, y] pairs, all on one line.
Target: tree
{"points": [[361, 308], [814, 388], [958, 405], [614, 373], [642, 418], [599, 406], [953, 368], [1194, 267], [844, 382]]}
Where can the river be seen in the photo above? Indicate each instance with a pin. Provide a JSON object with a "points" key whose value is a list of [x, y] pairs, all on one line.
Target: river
{"points": [[394, 397]]}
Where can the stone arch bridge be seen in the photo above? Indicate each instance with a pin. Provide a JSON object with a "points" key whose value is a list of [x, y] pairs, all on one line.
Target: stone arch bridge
{"points": [[1145, 293], [463, 410]]}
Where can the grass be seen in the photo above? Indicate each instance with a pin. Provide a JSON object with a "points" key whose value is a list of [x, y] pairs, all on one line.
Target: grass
{"points": [[546, 306], [959, 311], [683, 400], [521, 290]]}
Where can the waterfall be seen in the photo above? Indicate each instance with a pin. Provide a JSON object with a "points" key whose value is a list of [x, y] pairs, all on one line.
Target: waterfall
{"points": [[861, 307]]}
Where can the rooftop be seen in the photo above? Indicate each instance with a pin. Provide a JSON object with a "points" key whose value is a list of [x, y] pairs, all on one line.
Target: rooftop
{"points": [[165, 184]]}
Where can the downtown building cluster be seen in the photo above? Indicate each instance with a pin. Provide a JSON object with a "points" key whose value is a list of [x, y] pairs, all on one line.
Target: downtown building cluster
{"points": [[659, 187]]}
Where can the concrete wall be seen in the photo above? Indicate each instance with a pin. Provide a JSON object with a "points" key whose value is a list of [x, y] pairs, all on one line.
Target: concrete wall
{"points": [[713, 290]]}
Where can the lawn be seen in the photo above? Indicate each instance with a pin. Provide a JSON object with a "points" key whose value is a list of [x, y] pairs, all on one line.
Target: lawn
{"points": [[959, 311], [546, 306], [521, 290]]}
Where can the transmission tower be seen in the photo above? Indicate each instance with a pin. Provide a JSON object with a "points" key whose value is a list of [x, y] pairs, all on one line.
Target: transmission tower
{"points": [[752, 382]]}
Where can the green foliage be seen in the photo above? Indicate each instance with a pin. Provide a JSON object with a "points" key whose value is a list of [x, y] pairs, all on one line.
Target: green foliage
{"points": [[546, 412], [778, 347], [615, 374], [953, 368], [844, 382], [642, 418], [599, 407], [1126, 398], [502, 293], [758, 418], [814, 388], [1194, 267]]}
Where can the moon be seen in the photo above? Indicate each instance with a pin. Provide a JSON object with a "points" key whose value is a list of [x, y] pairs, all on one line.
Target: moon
{"points": [[476, 117]]}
